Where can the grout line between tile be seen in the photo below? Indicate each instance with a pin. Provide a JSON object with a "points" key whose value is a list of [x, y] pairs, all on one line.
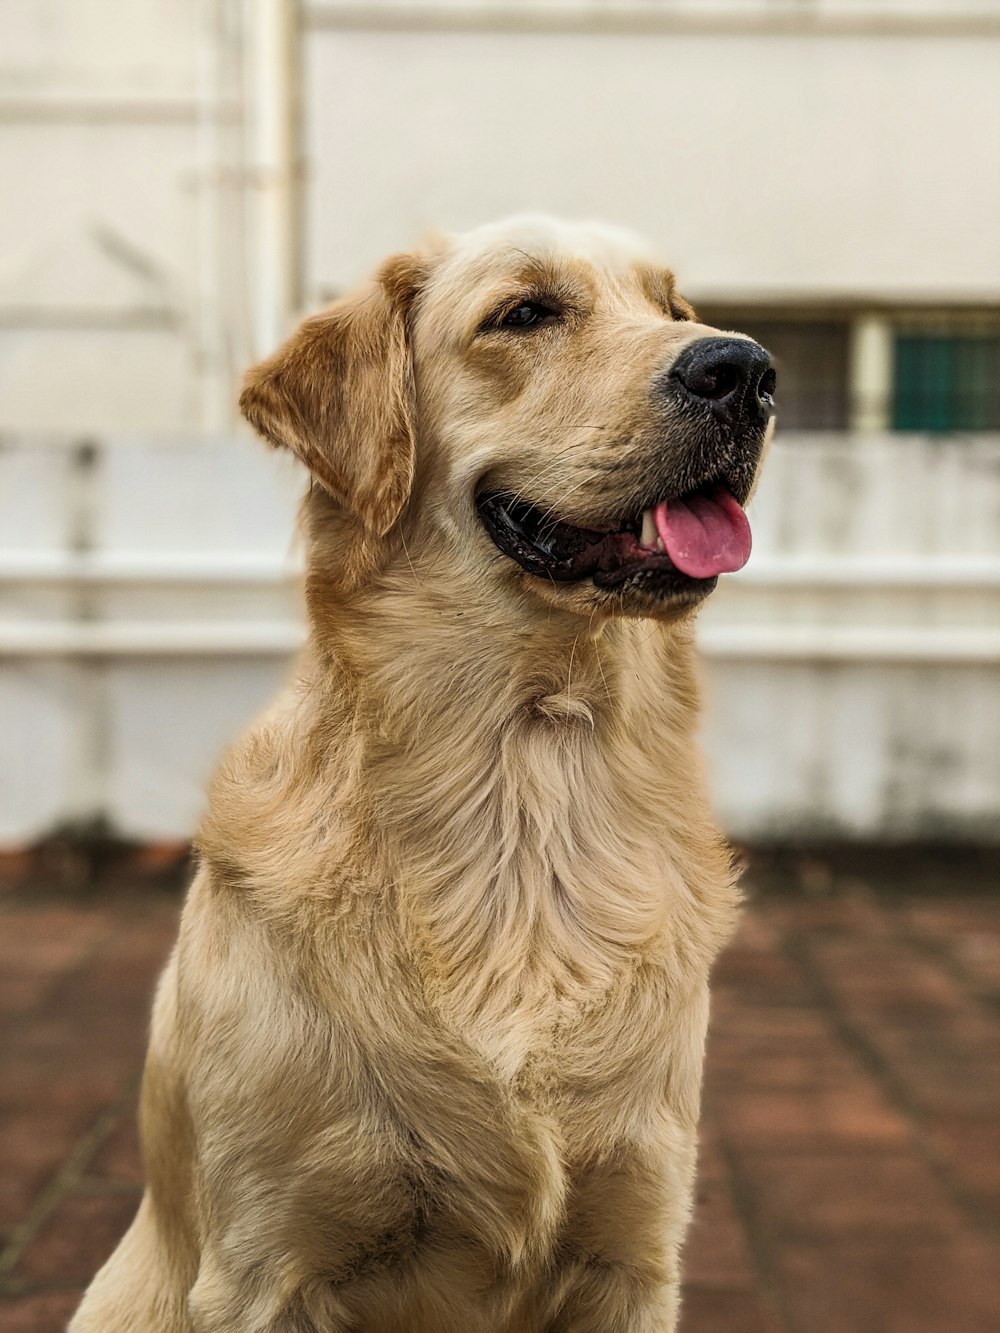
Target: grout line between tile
{"points": [[796, 947], [66, 1179]]}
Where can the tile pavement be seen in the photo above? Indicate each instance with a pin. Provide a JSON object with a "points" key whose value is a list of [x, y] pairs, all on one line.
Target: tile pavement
{"points": [[850, 1166]]}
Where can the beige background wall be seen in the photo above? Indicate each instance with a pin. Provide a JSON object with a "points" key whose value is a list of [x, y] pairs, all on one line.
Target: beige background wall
{"points": [[766, 164], [157, 229]]}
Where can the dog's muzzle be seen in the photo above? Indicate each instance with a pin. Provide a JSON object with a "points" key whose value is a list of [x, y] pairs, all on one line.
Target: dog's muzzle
{"points": [[690, 527]]}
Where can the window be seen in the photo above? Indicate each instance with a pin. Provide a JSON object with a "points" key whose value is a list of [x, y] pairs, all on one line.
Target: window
{"points": [[811, 357], [935, 370], [946, 381]]}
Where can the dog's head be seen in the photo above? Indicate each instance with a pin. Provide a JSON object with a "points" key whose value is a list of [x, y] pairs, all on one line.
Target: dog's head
{"points": [[539, 406]]}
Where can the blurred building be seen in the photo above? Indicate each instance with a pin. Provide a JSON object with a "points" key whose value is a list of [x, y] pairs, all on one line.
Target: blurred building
{"points": [[184, 176]]}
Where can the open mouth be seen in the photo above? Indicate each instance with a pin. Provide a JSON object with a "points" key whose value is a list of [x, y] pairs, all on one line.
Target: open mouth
{"points": [[677, 545]]}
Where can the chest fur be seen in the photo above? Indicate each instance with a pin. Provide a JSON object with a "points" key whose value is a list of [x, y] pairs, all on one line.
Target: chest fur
{"points": [[561, 899]]}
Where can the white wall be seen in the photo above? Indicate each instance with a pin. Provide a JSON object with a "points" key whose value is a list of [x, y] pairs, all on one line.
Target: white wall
{"points": [[122, 255], [148, 608], [98, 251], [853, 669]]}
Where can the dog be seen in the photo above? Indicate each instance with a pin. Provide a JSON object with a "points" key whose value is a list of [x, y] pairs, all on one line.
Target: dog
{"points": [[427, 1054]]}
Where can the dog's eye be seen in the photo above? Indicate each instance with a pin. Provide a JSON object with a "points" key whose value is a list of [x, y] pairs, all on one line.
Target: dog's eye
{"points": [[527, 314]]}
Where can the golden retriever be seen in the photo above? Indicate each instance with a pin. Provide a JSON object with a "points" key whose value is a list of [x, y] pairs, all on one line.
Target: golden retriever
{"points": [[427, 1054]]}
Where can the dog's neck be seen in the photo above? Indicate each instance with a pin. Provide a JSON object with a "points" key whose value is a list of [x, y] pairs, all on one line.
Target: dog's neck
{"points": [[527, 787], [526, 776]]}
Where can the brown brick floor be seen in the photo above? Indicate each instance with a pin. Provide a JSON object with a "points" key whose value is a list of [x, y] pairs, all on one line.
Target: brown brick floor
{"points": [[850, 1175]]}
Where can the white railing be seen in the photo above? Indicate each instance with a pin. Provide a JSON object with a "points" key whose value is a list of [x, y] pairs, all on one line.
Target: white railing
{"points": [[149, 604]]}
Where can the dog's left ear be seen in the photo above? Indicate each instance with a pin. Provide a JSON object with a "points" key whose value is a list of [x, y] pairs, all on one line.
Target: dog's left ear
{"points": [[339, 393]]}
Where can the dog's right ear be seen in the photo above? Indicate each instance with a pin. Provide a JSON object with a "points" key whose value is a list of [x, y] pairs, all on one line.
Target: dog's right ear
{"points": [[339, 393]]}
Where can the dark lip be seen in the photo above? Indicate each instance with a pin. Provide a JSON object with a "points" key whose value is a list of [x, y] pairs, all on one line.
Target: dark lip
{"points": [[610, 555]]}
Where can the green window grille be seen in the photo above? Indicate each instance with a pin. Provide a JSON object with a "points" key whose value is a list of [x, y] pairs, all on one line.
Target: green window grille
{"points": [[946, 382]]}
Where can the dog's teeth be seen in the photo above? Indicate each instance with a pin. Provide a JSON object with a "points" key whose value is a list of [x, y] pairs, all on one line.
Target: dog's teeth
{"points": [[649, 537]]}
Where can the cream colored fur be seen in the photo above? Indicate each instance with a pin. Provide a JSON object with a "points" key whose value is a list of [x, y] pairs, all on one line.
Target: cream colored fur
{"points": [[427, 1054]]}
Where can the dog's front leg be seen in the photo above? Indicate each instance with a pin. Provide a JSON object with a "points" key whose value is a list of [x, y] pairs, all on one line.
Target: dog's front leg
{"points": [[259, 1301], [626, 1219], [610, 1298]]}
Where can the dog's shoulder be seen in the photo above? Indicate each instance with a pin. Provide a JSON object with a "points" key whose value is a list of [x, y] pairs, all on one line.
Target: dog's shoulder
{"points": [[275, 819]]}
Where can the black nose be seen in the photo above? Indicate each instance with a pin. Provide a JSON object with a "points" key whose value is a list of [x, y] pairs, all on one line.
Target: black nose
{"points": [[732, 376]]}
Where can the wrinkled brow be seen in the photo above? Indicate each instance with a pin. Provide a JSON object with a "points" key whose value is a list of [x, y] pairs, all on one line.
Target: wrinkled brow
{"points": [[658, 286]]}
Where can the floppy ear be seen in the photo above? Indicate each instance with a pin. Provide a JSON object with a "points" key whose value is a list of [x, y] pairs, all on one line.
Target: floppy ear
{"points": [[681, 309], [339, 393]]}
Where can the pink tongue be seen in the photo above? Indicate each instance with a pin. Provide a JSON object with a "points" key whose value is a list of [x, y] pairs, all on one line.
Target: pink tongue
{"points": [[706, 535]]}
